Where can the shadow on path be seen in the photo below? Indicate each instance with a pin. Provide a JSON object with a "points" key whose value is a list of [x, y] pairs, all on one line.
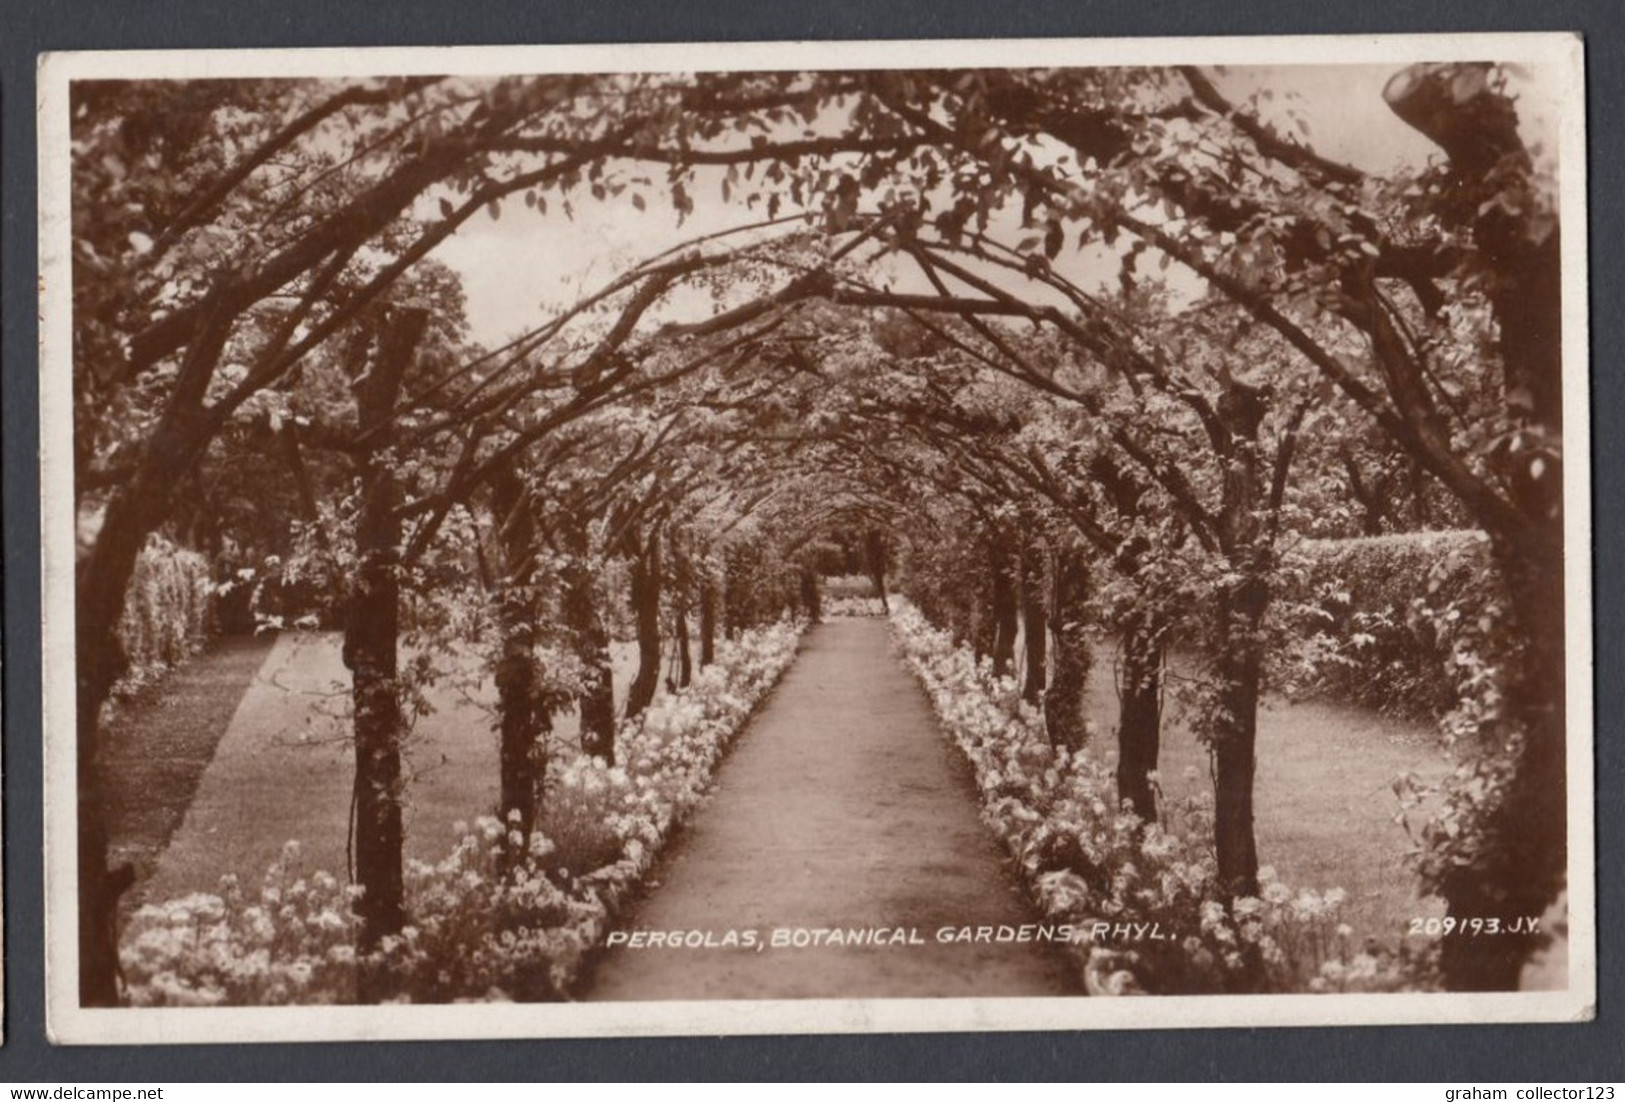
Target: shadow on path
{"points": [[159, 744]]}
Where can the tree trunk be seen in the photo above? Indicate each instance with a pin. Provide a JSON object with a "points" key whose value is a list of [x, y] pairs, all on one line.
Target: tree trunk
{"points": [[1139, 729], [736, 610], [1239, 647], [1234, 740], [1063, 700], [971, 605], [1421, 514], [1374, 500], [874, 558], [682, 594], [974, 626], [708, 622], [811, 603], [1034, 621], [685, 660], [585, 619], [371, 642], [646, 610], [1004, 606], [524, 718]]}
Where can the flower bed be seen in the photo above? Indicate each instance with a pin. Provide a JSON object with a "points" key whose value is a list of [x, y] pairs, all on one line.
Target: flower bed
{"points": [[477, 930], [837, 607], [1088, 861]]}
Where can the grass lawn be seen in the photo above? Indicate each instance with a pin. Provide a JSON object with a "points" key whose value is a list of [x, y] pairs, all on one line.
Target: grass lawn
{"points": [[1325, 805], [159, 742]]}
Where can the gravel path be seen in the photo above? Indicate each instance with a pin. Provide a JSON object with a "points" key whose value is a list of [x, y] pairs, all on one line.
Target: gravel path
{"points": [[842, 807]]}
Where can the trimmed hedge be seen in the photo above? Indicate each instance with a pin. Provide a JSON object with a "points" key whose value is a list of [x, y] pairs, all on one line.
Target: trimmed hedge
{"points": [[166, 611], [853, 586], [1382, 621]]}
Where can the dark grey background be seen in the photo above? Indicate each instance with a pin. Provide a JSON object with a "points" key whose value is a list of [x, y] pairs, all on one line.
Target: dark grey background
{"points": [[1524, 1054]]}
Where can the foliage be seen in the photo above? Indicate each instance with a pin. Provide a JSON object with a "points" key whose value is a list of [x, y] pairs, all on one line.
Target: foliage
{"points": [[1402, 624]]}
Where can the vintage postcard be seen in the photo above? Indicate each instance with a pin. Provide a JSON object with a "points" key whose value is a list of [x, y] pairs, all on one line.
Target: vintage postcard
{"points": [[762, 538]]}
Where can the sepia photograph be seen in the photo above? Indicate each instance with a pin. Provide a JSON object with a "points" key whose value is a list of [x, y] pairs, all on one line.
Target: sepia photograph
{"points": [[799, 538]]}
